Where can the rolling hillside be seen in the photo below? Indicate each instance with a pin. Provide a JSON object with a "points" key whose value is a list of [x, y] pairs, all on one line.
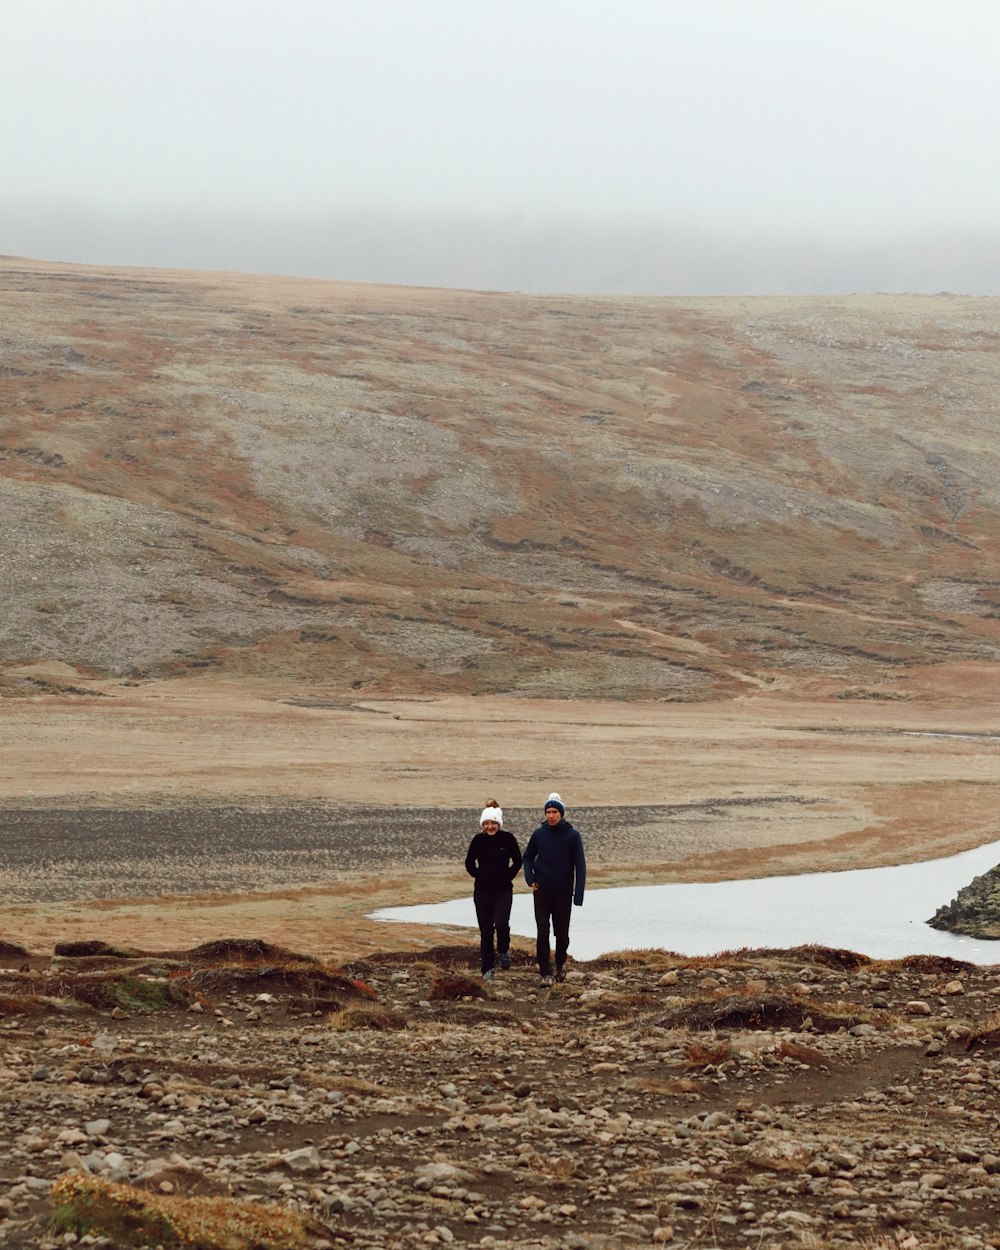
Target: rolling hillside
{"points": [[331, 488]]}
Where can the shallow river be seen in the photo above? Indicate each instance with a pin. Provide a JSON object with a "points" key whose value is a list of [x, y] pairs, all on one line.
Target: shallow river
{"points": [[880, 912]]}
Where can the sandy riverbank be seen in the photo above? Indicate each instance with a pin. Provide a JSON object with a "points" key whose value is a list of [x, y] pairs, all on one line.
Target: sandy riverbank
{"points": [[191, 810]]}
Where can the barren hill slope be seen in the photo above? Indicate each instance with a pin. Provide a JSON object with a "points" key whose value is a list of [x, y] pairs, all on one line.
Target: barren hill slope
{"points": [[392, 490]]}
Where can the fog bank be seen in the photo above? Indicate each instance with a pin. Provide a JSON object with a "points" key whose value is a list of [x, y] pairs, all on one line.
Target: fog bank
{"points": [[509, 252]]}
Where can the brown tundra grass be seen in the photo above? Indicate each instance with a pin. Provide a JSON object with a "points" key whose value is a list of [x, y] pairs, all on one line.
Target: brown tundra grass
{"points": [[131, 1217]]}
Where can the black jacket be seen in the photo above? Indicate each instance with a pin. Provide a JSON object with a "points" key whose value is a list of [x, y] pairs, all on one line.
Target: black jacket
{"points": [[494, 860], [554, 858]]}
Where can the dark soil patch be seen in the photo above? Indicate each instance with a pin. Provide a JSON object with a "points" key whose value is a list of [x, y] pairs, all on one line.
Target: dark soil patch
{"points": [[893, 1067], [22, 1005], [80, 950], [474, 1014], [136, 965], [769, 1011], [454, 988], [441, 956], [309, 985]]}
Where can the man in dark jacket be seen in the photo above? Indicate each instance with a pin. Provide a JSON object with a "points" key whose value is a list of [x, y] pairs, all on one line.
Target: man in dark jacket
{"points": [[556, 871], [493, 860]]}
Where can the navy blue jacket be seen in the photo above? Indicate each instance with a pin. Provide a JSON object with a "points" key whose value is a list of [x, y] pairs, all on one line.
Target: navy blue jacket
{"points": [[554, 857], [494, 860]]}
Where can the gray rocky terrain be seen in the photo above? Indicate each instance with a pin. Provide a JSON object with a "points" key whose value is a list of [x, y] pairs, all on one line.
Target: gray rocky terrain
{"points": [[975, 910], [336, 487], [807, 1098]]}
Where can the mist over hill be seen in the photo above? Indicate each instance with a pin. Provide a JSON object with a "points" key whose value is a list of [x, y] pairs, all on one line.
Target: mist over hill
{"points": [[342, 488], [514, 252]]}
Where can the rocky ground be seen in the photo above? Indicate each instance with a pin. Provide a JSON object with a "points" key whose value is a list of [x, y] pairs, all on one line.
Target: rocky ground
{"points": [[975, 910], [50, 854], [807, 1098], [345, 490]]}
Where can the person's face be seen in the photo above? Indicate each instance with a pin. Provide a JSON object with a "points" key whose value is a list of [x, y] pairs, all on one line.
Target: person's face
{"points": [[490, 827], [553, 815]]}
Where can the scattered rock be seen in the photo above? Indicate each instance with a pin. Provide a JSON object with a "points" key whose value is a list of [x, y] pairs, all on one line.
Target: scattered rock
{"points": [[531, 1121]]}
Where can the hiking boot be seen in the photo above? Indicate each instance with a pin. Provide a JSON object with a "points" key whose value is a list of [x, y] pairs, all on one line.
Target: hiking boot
{"points": [[505, 960], [546, 980], [560, 972], [488, 974]]}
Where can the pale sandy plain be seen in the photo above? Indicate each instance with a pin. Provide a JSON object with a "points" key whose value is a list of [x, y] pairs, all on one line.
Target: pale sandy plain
{"points": [[878, 782]]}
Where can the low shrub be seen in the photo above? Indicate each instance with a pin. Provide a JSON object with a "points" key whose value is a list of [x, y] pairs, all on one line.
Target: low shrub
{"points": [[373, 1018], [131, 1217], [767, 1011], [131, 993]]}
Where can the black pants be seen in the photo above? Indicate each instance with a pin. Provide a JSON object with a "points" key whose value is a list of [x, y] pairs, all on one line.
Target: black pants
{"points": [[555, 909], [493, 915]]}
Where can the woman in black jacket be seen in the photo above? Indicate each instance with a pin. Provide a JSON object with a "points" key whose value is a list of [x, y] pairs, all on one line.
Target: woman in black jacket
{"points": [[493, 860]]}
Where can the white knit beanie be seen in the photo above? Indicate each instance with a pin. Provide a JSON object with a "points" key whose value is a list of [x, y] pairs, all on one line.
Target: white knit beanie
{"points": [[492, 813]]}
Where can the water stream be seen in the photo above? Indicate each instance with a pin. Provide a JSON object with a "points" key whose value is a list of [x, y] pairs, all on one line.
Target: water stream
{"points": [[880, 912]]}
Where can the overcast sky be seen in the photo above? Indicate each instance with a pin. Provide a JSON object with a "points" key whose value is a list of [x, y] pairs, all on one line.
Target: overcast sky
{"points": [[528, 144]]}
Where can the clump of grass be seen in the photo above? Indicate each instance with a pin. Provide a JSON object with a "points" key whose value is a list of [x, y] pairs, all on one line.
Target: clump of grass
{"points": [[88, 949], [809, 953], [802, 1054], [930, 964], [451, 989], [424, 968], [131, 1217], [438, 956], [647, 957], [724, 1010], [141, 994], [131, 993], [373, 1018], [243, 964], [986, 1033], [11, 949], [699, 1055], [247, 950], [226, 978]]}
